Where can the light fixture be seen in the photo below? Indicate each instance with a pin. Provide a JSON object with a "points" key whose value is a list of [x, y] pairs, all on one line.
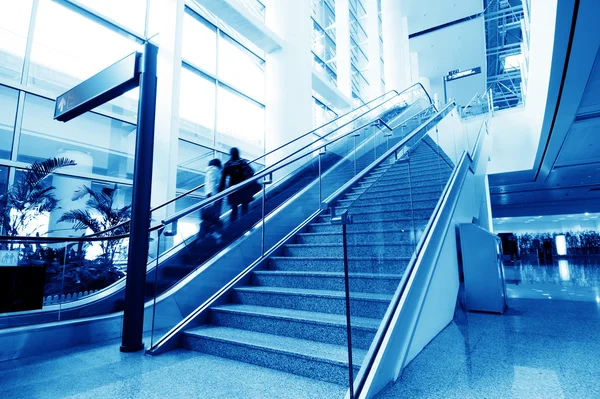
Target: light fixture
{"points": [[561, 244], [563, 270], [587, 214]]}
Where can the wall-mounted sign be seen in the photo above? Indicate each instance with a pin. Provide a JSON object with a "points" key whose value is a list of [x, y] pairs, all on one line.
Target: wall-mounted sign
{"points": [[455, 74], [9, 258], [106, 85]]}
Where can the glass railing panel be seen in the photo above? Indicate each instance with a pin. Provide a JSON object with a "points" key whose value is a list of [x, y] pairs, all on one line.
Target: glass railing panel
{"points": [[385, 216], [31, 278]]}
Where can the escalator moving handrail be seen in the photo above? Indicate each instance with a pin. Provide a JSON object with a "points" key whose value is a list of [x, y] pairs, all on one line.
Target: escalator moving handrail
{"points": [[192, 190], [265, 172], [416, 257], [261, 174]]}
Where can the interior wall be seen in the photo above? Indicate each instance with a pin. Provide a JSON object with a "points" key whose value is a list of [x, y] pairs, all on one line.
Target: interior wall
{"points": [[425, 14], [514, 141], [516, 132]]}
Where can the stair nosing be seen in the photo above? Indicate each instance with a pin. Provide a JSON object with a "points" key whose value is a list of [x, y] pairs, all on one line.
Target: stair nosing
{"points": [[289, 352]]}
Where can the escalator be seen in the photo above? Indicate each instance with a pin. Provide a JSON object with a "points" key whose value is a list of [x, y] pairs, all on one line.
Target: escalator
{"points": [[356, 289], [177, 249]]}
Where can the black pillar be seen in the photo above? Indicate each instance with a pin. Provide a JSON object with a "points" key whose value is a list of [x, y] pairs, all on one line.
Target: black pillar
{"points": [[133, 319]]}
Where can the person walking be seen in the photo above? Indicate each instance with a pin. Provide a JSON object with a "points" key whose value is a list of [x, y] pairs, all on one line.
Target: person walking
{"points": [[235, 171], [211, 214]]}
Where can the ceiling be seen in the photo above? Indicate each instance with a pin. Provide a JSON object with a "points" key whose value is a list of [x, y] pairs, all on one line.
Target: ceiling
{"points": [[548, 223], [446, 36], [566, 173]]}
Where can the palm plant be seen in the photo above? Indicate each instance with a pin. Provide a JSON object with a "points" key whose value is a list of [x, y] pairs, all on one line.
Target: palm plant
{"points": [[100, 215], [29, 198]]}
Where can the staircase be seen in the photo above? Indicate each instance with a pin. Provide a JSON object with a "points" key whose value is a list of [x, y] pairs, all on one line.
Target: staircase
{"points": [[292, 315]]}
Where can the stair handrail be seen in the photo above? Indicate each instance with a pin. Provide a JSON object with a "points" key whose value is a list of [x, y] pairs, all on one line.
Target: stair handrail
{"points": [[422, 129], [443, 208], [195, 189], [163, 343], [207, 201]]}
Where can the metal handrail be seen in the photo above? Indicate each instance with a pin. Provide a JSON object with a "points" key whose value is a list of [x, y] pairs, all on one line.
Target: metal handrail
{"points": [[192, 190], [263, 173], [465, 162], [327, 203], [163, 341]]}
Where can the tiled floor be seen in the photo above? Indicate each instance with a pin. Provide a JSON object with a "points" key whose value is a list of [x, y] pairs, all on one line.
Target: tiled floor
{"points": [[571, 279], [540, 348], [101, 371], [537, 349]]}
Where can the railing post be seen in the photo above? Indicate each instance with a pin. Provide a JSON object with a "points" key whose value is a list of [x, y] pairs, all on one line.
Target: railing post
{"points": [[268, 179], [133, 316], [344, 219]]}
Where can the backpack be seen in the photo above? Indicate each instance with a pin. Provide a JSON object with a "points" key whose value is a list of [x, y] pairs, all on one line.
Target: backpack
{"points": [[248, 172]]}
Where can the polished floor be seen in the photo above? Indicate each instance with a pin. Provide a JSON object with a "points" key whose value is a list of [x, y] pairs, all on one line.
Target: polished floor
{"points": [[576, 279], [547, 346], [540, 348], [101, 371]]}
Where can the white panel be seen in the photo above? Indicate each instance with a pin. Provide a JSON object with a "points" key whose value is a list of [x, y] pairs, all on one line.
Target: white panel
{"points": [[459, 46], [426, 14], [515, 141], [591, 98]]}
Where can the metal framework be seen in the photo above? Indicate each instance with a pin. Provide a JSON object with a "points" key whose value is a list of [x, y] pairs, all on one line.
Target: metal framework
{"points": [[506, 25]]}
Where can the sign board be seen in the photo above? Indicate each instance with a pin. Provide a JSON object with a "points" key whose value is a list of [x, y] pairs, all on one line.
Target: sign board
{"points": [[106, 85], [457, 75], [454, 71], [9, 257]]}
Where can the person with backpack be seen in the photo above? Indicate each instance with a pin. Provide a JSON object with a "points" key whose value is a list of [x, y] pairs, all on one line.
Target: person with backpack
{"points": [[237, 170], [211, 214]]}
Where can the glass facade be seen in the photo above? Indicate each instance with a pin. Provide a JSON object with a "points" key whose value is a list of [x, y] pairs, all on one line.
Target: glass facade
{"points": [[47, 47], [322, 113], [222, 98], [359, 60], [323, 38]]}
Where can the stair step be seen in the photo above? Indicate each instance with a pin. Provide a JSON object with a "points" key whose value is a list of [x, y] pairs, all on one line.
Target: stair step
{"points": [[437, 183], [383, 216], [400, 193], [405, 205], [321, 327], [359, 282], [398, 237], [360, 249], [336, 264], [384, 225], [390, 181], [361, 304], [311, 359]]}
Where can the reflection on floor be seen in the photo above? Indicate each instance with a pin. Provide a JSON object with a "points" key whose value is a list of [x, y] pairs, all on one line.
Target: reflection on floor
{"points": [[537, 349], [569, 279], [540, 348], [101, 371]]}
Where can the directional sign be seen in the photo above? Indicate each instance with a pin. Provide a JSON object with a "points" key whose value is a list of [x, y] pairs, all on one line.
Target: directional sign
{"points": [[106, 85], [457, 75]]}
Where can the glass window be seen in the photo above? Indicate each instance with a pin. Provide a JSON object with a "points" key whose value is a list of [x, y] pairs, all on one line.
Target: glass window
{"points": [[69, 48], [197, 108], [131, 13], [240, 123], [14, 24], [98, 144], [321, 113], [192, 163], [241, 68], [8, 105], [199, 45], [323, 46], [64, 189]]}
